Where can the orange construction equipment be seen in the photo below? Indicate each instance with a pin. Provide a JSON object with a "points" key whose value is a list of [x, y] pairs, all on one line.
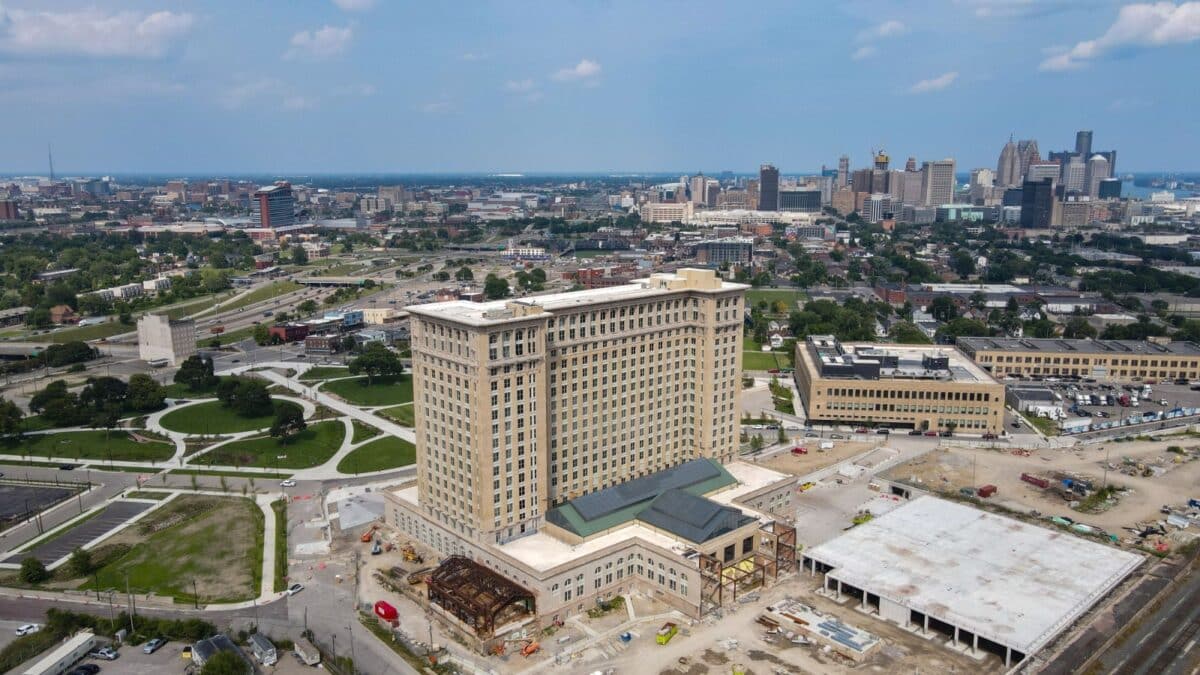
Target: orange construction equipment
{"points": [[530, 649], [368, 535]]}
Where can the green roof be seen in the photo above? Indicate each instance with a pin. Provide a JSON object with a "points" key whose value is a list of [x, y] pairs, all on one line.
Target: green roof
{"points": [[604, 509]]}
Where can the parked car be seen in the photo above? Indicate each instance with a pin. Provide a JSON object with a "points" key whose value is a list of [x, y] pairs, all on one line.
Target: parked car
{"points": [[860, 430], [287, 483], [932, 434], [989, 436], [29, 629], [883, 432], [294, 589], [153, 645], [85, 669], [836, 437], [915, 432], [105, 653]]}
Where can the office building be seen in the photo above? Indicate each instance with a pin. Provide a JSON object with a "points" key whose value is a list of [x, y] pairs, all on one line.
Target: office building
{"points": [[925, 388], [1044, 169], [1074, 174], [273, 206], [907, 187], [732, 251], [981, 186], [843, 172], [1075, 212], [561, 437], [937, 182], [699, 190], [881, 161], [1037, 204], [803, 200], [1097, 170], [1110, 188], [667, 213], [768, 188], [1107, 360], [1008, 169], [9, 210], [161, 337], [1083, 143], [877, 207], [1027, 151]]}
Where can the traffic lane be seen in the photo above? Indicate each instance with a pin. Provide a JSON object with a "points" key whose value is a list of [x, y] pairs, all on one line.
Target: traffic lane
{"points": [[33, 610]]}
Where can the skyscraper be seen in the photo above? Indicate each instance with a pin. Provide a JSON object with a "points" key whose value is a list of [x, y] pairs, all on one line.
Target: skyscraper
{"points": [[698, 188], [1097, 170], [1028, 152], [1037, 204], [982, 182], [1074, 174], [911, 164], [1083, 143], [274, 206], [937, 182], [881, 161], [768, 188], [843, 173], [1008, 169]]}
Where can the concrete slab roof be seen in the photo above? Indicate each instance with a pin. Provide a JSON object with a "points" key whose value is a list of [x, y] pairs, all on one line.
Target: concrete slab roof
{"points": [[1008, 581]]}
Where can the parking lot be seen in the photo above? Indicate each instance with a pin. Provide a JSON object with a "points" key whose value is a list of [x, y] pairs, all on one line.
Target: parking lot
{"points": [[132, 661], [18, 500], [1114, 402], [57, 547]]}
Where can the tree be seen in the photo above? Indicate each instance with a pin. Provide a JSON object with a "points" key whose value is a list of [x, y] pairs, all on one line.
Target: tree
{"points": [[299, 255], [962, 262], [978, 300], [262, 335], [246, 397], [1078, 328], [225, 663], [196, 373], [308, 306], [289, 421], [441, 275], [464, 273], [377, 360], [349, 344], [10, 418], [33, 571], [144, 394], [905, 333], [960, 327], [494, 288], [943, 308], [80, 563]]}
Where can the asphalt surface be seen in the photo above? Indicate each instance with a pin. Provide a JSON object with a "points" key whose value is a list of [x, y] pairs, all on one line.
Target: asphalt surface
{"points": [[105, 485], [18, 502], [1166, 641], [108, 518]]}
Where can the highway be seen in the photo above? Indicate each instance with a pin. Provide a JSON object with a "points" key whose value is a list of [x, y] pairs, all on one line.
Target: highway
{"points": [[1165, 643]]}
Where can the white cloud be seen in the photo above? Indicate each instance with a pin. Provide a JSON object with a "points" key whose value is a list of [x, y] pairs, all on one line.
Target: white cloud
{"points": [[435, 107], [1137, 26], [356, 90], [354, 5], [298, 103], [864, 52], [1022, 9], [886, 29], [934, 83], [261, 90], [473, 56], [520, 86], [323, 43], [91, 32], [585, 70]]}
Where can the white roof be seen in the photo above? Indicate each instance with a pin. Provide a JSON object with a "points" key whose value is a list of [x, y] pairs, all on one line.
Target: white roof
{"points": [[1013, 583]]}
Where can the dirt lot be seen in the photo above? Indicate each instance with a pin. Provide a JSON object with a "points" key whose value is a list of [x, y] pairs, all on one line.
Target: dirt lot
{"points": [[816, 458], [948, 470]]}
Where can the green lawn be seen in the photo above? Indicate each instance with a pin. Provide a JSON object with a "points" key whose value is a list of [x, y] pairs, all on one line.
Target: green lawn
{"points": [[324, 373], [272, 290], [401, 414], [204, 338], [384, 390], [790, 296], [93, 445], [759, 361], [194, 306], [214, 418], [228, 474], [388, 452], [93, 332], [281, 547], [363, 431], [214, 543], [311, 447], [594, 253], [36, 423]]}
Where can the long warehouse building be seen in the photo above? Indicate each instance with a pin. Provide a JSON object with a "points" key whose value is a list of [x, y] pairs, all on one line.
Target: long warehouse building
{"points": [[1107, 360]]}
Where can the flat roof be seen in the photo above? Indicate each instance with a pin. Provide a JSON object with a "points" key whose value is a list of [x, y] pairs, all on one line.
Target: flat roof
{"points": [[1014, 583], [910, 364], [494, 312], [1058, 346]]}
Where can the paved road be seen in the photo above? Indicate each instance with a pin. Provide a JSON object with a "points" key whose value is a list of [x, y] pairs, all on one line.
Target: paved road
{"points": [[34, 610]]}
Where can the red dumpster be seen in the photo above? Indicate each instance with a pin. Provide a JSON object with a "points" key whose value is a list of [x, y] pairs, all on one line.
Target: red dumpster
{"points": [[986, 491], [386, 611]]}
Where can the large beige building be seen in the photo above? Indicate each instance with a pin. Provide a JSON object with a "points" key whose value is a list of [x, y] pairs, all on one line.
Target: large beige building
{"points": [[161, 337], [573, 446], [1108, 360], [514, 400], [926, 388]]}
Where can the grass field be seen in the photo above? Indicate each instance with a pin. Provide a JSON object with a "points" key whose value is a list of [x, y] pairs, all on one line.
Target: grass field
{"points": [[759, 361], [311, 447], [594, 253], [401, 414], [323, 373], [214, 543], [93, 445], [93, 332], [228, 474], [388, 452], [790, 296], [214, 418], [384, 391], [204, 338], [195, 305], [272, 290], [362, 432], [281, 547], [347, 269]]}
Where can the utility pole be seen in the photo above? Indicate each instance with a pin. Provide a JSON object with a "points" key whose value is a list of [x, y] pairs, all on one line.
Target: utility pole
{"points": [[131, 610], [195, 595], [353, 659]]}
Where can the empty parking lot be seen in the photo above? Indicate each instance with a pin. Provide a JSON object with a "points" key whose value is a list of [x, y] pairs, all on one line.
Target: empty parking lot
{"points": [[61, 545]]}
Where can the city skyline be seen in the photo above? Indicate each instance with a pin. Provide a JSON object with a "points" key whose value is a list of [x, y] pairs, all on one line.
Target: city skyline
{"points": [[370, 86]]}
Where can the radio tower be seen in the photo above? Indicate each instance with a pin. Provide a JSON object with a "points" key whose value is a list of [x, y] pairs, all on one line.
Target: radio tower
{"points": [[50, 154]]}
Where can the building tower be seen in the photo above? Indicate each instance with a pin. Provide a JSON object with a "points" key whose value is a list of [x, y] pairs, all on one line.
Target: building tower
{"points": [[274, 206], [1028, 152], [1008, 169], [881, 161], [768, 188], [1083, 143], [843, 171], [1097, 171], [1037, 204], [911, 164], [937, 182]]}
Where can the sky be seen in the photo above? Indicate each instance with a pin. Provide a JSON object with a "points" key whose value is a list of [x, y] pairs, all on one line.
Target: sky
{"points": [[364, 86]]}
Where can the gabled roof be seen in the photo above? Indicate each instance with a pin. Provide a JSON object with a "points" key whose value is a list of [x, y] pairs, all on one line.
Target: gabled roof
{"points": [[693, 518]]}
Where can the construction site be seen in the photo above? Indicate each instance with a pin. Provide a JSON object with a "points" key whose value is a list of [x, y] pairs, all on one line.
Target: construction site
{"points": [[1139, 493]]}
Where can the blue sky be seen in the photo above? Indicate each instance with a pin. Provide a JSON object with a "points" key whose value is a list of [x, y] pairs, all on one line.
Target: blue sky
{"points": [[388, 86]]}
